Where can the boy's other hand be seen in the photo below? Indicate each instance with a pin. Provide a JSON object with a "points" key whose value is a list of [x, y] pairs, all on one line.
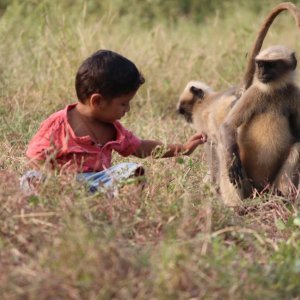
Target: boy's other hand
{"points": [[193, 142]]}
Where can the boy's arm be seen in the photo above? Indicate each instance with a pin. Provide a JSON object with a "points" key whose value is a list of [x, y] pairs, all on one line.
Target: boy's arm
{"points": [[158, 150]]}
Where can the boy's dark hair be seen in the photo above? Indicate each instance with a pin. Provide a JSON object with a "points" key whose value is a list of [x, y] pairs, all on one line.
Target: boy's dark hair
{"points": [[107, 73]]}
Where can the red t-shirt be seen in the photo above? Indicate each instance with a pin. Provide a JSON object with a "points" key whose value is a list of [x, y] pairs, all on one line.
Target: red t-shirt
{"points": [[56, 141]]}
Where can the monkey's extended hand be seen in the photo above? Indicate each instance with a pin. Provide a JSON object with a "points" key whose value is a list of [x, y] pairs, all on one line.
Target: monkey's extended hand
{"points": [[235, 172]]}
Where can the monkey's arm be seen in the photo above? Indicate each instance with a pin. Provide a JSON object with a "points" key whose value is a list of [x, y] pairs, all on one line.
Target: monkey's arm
{"points": [[158, 150], [231, 154], [240, 114]]}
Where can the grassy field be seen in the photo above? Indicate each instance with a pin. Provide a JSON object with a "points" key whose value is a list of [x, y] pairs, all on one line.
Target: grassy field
{"points": [[175, 240]]}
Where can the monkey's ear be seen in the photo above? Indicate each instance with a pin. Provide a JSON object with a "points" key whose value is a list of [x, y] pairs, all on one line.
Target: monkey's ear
{"points": [[294, 61], [197, 91]]}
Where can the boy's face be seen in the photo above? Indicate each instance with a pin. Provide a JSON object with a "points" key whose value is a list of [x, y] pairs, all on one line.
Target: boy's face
{"points": [[114, 109]]}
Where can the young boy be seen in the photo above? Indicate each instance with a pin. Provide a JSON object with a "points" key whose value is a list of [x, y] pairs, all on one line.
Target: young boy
{"points": [[80, 138]]}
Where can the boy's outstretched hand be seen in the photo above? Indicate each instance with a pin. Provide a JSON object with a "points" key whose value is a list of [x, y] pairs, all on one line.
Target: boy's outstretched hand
{"points": [[159, 150], [193, 142]]}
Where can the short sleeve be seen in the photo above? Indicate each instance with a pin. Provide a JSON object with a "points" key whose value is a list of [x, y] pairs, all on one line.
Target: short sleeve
{"points": [[47, 141], [129, 143]]}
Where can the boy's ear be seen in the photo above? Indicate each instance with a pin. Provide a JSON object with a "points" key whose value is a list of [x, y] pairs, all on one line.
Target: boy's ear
{"points": [[96, 100]]}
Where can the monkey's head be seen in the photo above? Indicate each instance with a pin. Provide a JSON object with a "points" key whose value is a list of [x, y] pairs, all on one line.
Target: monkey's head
{"points": [[275, 64], [194, 93]]}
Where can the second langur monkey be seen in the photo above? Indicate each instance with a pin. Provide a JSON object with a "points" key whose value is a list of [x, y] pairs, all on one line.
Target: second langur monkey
{"points": [[206, 111], [261, 133]]}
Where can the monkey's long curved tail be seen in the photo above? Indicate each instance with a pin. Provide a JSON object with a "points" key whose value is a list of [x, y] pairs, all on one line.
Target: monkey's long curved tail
{"points": [[250, 69]]}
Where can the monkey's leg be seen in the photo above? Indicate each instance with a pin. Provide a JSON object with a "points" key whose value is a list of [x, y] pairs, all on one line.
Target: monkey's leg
{"points": [[287, 179], [213, 162]]}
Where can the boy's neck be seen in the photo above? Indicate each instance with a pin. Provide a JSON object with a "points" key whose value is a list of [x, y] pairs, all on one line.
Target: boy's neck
{"points": [[85, 111], [83, 122]]}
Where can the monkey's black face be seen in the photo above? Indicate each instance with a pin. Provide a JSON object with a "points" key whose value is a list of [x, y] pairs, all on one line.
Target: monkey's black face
{"points": [[271, 70], [187, 102], [185, 109]]}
